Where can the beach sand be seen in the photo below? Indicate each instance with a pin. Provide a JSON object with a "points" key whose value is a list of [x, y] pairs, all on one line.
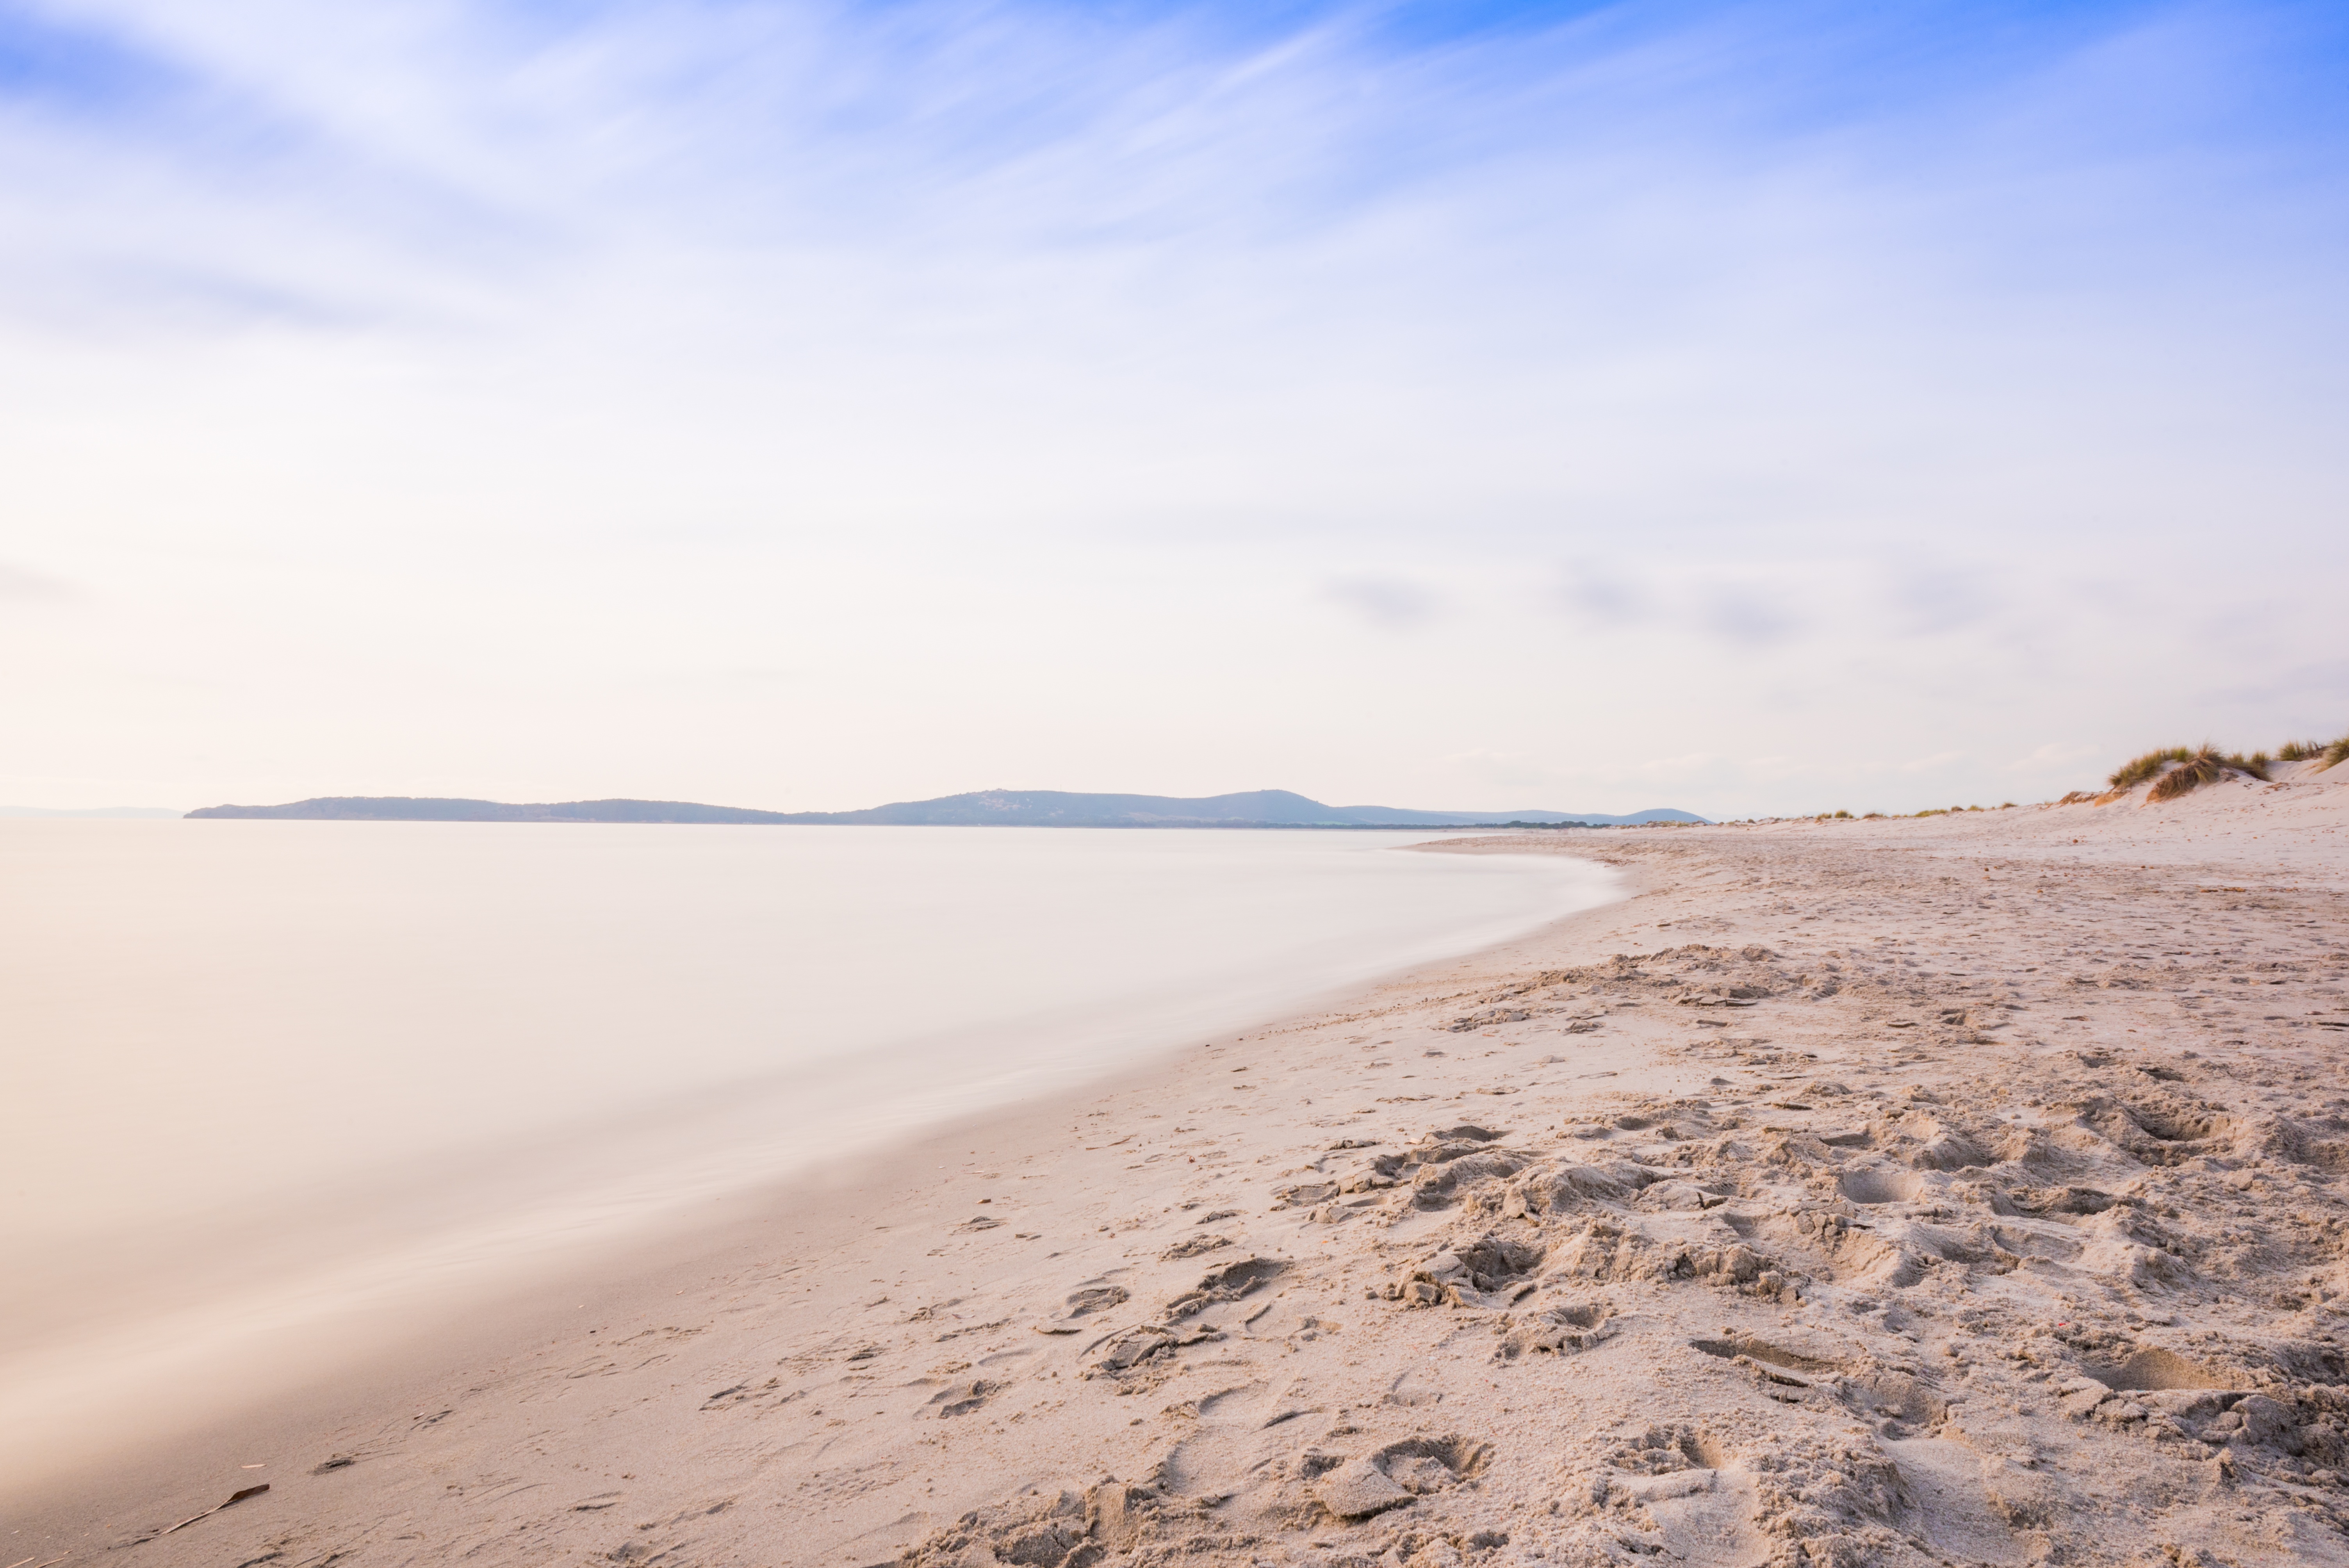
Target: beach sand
{"points": [[1962, 1190]]}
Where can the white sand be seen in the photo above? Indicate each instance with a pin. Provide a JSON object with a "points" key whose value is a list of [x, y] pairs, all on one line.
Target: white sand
{"points": [[1953, 1190]]}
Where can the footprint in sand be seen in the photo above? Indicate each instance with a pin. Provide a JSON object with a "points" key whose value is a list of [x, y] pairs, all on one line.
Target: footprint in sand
{"points": [[1952, 1510], [1560, 1330], [961, 1398], [1083, 1302], [1230, 1283], [1703, 1507], [1089, 1299], [1372, 1483]]}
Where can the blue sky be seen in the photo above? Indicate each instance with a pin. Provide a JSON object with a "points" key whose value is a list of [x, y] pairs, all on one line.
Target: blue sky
{"points": [[1748, 408]]}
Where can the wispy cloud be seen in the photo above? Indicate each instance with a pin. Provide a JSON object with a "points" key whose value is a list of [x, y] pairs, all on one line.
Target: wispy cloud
{"points": [[23, 585], [1393, 603], [1604, 596], [1933, 599], [1898, 359], [1754, 617]]}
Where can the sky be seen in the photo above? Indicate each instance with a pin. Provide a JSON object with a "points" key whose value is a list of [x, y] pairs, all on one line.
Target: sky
{"points": [[1750, 408]]}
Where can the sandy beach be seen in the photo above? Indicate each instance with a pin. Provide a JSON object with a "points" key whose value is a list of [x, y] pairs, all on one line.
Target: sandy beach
{"points": [[1945, 1190]]}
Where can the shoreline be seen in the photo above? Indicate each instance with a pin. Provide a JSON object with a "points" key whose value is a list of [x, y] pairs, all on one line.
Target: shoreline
{"points": [[1914, 1190], [157, 1329], [448, 1340]]}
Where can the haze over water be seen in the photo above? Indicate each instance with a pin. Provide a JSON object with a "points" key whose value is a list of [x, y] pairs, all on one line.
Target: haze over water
{"points": [[290, 1075]]}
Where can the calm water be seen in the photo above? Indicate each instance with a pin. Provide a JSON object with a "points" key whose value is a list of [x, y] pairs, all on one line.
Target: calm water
{"points": [[260, 1077]]}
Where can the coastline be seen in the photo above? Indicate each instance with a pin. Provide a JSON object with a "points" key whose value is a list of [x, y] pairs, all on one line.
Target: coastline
{"points": [[452, 1338], [1631, 1339], [217, 1222]]}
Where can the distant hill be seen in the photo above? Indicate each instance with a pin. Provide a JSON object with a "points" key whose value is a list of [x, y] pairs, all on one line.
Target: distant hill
{"points": [[411, 808], [985, 808]]}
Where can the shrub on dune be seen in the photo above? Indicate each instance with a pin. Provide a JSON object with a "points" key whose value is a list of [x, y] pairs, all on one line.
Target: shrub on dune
{"points": [[2179, 771], [2136, 770], [2324, 755], [2206, 765], [2193, 770]]}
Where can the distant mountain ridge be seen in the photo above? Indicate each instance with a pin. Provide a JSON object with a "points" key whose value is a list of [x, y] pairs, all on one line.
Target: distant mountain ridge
{"points": [[984, 808]]}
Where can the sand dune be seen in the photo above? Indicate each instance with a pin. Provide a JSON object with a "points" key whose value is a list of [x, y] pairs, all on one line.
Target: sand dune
{"points": [[1957, 1191]]}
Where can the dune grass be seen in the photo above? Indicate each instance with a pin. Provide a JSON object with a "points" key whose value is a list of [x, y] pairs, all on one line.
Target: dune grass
{"points": [[2325, 754], [2179, 770], [2193, 770], [2138, 769], [2205, 764]]}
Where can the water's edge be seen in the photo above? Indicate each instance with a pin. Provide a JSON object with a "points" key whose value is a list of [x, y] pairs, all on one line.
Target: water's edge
{"points": [[251, 1354]]}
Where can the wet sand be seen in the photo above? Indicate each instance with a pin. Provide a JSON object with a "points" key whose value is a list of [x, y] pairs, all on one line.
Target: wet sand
{"points": [[1955, 1189]]}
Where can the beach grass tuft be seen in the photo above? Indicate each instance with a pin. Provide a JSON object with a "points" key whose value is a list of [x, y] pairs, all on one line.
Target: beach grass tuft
{"points": [[2138, 769], [2206, 765], [2325, 754], [2178, 770]]}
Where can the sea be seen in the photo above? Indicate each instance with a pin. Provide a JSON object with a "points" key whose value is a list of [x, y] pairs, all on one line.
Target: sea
{"points": [[268, 1080]]}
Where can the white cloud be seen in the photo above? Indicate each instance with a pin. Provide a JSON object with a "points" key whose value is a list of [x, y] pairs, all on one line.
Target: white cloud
{"points": [[23, 585], [402, 368], [1393, 603]]}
